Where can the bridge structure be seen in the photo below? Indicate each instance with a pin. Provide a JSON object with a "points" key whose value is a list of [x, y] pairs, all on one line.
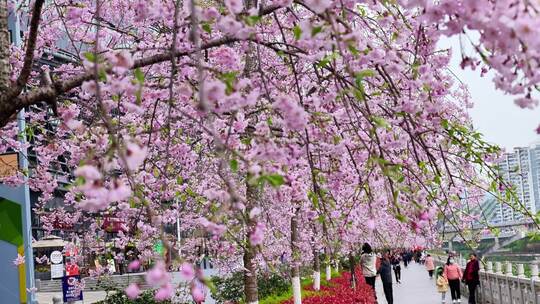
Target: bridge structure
{"points": [[507, 229], [508, 232]]}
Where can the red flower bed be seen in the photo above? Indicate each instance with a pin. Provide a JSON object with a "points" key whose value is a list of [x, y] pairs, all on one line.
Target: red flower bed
{"points": [[340, 292]]}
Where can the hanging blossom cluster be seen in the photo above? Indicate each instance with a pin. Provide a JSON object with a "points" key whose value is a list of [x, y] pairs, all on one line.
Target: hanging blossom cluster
{"points": [[509, 39], [288, 131]]}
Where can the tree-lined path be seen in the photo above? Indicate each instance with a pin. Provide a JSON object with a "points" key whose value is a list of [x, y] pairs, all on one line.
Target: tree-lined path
{"points": [[416, 287], [270, 138]]}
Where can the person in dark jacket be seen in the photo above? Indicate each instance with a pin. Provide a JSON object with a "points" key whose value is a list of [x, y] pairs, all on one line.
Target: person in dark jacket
{"points": [[471, 276], [386, 277], [396, 265]]}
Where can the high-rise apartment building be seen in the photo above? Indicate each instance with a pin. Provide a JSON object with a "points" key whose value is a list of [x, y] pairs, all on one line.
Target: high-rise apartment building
{"points": [[522, 169]]}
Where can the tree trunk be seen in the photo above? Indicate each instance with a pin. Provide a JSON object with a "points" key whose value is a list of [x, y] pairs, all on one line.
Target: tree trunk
{"points": [[328, 265], [295, 269], [4, 48], [250, 273], [328, 271], [250, 277], [316, 270], [352, 267]]}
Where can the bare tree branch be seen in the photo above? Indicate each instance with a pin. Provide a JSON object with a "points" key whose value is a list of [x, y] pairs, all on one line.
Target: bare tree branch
{"points": [[10, 106], [30, 48]]}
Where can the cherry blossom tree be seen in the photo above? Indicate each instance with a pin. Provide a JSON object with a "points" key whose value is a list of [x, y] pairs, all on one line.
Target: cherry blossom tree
{"points": [[295, 129]]}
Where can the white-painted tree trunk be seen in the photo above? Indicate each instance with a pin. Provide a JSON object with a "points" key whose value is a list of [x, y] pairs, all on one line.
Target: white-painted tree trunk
{"points": [[328, 272], [256, 302], [337, 265], [316, 280], [297, 291], [295, 270]]}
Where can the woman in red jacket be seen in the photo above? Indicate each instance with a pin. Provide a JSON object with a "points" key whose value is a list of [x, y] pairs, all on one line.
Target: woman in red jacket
{"points": [[452, 272], [471, 277]]}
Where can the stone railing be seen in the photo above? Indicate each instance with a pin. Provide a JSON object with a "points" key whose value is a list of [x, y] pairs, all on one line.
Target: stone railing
{"points": [[499, 285]]}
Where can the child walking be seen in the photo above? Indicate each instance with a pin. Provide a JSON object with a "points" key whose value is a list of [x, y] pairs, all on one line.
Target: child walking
{"points": [[442, 283]]}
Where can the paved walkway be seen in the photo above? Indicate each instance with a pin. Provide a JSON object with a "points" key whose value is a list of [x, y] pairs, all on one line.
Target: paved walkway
{"points": [[416, 288]]}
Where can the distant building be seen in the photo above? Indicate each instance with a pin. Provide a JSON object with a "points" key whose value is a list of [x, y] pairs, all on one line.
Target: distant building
{"points": [[521, 168]]}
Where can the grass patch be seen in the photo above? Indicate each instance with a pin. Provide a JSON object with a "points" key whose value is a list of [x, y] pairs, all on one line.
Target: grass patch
{"points": [[277, 299], [304, 282]]}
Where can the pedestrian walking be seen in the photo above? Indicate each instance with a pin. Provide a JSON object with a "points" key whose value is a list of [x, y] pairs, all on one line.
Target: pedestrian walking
{"points": [[396, 265], [368, 261], [430, 265], [386, 277], [405, 259], [441, 283], [471, 276], [452, 272]]}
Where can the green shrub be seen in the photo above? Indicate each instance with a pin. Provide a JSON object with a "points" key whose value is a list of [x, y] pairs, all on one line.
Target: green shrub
{"points": [[272, 284], [232, 288], [229, 289]]}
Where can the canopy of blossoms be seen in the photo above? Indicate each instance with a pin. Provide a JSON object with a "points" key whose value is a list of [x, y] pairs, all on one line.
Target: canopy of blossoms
{"points": [[277, 128]]}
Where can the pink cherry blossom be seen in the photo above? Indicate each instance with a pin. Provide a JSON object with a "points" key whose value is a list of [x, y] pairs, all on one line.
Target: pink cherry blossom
{"points": [[257, 236], [157, 275], [234, 6], [74, 13], [214, 90], [122, 59], [134, 265], [319, 6], [119, 191], [254, 212], [229, 25], [424, 216], [296, 117], [526, 103], [135, 155], [186, 271], [19, 260], [198, 294], [370, 224], [132, 291], [210, 13], [165, 292], [74, 124], [89, 87], [88, 172]]}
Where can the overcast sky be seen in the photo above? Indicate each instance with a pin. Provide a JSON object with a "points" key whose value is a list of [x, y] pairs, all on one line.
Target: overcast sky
{"points": [[494, 114]]}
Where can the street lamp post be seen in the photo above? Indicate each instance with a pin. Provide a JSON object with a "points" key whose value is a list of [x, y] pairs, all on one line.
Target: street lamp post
{"points": [[26, 212]]}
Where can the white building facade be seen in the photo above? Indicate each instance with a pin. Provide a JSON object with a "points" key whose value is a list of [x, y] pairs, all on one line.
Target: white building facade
{"points": [[522, 169]]}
